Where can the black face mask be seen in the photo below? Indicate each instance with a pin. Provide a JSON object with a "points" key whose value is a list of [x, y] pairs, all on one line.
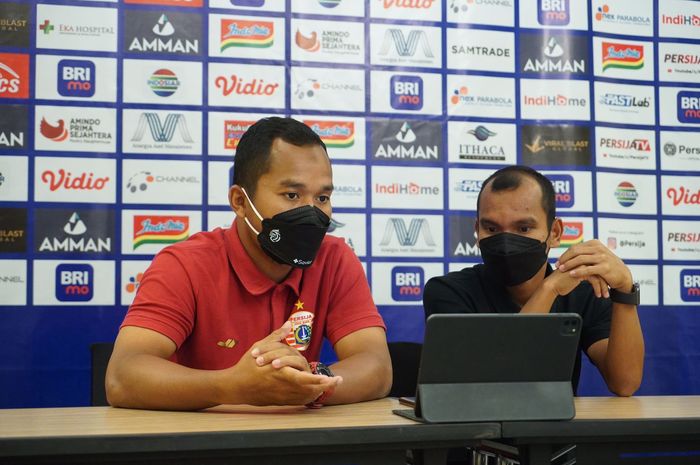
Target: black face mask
{"points": [[512, 259], [292, 237]]}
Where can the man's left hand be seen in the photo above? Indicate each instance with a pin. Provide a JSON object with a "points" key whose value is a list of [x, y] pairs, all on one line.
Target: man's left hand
{"points": [[592, 258]]}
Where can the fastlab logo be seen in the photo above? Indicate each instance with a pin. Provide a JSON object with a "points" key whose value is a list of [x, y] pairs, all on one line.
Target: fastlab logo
{"points": [[234, 130], [246, 33], [397, 230], [688, 105], [553, 12], [74, 282], [572, 234], [407, 283], [626, 194], [76, 78], [690, 285], [14, 75], [563, 185], [160, 229], [162, 131], [406, 92], [335, 134], [623, 56]]}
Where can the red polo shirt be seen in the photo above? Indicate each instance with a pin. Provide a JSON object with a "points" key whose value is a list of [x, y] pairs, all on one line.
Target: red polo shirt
{"points": [[207, 295]]}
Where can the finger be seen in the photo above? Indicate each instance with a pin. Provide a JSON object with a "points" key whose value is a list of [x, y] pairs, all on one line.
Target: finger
{"points": [[595, 284], [584, 248], [266, 357], [276, 335], [309, 379], [261, 349], [584, 271], [584, 259], [292, 361]]}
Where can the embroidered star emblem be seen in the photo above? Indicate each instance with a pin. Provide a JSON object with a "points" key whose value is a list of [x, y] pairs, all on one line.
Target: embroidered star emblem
{"points": [[299, 304]]}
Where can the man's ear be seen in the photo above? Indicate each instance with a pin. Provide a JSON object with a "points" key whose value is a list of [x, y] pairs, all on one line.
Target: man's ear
{"points": [[236, 198], [555, 233], [476, 230]]}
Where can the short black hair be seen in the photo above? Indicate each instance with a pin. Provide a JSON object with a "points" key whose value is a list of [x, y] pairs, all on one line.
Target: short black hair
{"points": [[252, 158], [511, 177]]}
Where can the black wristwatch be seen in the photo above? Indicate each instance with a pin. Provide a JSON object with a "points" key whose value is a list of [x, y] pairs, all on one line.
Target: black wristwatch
{"points": [[629, 298]]}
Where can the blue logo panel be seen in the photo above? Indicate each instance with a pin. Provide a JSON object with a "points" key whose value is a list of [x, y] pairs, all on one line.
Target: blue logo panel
{"points": [[563, 185], [553, 12], [74, 282], [76, 78], [406, 92], [407, 283], [688, 106], [690, 285]]}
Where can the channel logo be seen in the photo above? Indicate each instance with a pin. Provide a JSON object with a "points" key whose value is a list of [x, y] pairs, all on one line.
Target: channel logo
{"points": [[572, 234], [626, 194], [407, 283], [553, 12], [690, 285], [623, 56], [163, 83], [246, 33], [406, 92], [688, 106], [74, 282], [563, 185], [233, 131], [160, 229], [335, 134], [76, 78]]}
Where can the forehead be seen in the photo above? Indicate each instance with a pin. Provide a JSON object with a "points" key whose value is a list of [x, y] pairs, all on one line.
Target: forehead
{"points": [[307, 164], [525, 200]]}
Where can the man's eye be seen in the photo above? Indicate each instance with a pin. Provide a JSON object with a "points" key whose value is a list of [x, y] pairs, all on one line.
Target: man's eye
{"points": [[324, 198], [491, 229], [525, 229], [292, 195]]}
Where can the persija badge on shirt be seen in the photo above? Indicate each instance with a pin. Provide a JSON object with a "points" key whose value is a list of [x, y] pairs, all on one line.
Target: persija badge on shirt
{"points": [[302, 323]]}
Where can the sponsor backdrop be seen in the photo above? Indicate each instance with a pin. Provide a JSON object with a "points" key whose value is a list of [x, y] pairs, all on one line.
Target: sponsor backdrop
{"points": [[119, 121]]}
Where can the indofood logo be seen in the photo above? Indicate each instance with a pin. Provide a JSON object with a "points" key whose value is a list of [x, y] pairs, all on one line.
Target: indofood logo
{"points": [[160, 229], [481, 151], [234, 130], [572, 234], [626, 194], [246, 33], [164, 82], [623, 56], [605, 14], [335, 134], [162, 131], [407, 236]]}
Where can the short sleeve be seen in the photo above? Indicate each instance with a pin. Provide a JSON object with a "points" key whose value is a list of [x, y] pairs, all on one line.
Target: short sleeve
{"points": [[165, 301]]}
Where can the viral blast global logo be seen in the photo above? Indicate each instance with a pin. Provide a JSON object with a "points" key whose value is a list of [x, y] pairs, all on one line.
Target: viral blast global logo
{"points": [[406, 92], [407, 283], [690, 285], [76, 78], [74, 282]]}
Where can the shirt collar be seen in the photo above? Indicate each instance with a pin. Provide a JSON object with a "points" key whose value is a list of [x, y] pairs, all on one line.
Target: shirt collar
{"points": [[248, 273]]}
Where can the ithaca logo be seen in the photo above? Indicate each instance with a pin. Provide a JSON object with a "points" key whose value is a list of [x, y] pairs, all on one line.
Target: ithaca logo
{"points": [[626, 194], [553, 12], [164, 83], [237, 85], [623, 56], [408, 4], [688, 106], [66, 180], [563, 185], [481, 151], [151, 32], [160, 229], [162, 131], [396, 42], [572, 234], [407, 237], [74, 282], [76, 78], [690, 285], [683, 196], [246, 33], [14, 75], [335, 134], [233, 131], [406, 92], [407, 283]]}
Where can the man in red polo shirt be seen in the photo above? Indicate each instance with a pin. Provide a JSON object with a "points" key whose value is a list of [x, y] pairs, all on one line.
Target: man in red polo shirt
{"points": [[238, 315]]}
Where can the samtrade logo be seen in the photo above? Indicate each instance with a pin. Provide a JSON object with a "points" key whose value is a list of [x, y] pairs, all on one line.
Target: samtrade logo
{"points": [[162, 131], [406, 92], [690, 285], [76, 78], [482, 133], [563, 185], [335, 134], [14, 75], [57, 133], [246, 33], [160, 229], [681, 20], [683, 195], [407, 237], [310, 43], [239, 86], [572, 234], [233, 131], [553, 12], [409, 4], [410, 188], [164, 83], [74, 282], [407, 283], [626, 194], [688, 106], [405, 46], [624, 56]]}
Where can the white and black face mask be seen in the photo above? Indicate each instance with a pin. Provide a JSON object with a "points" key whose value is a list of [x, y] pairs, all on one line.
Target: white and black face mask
{"points": [[292, 237]]}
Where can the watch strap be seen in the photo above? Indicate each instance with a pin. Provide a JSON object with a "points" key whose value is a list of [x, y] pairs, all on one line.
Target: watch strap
{"points": [[320, 368], [628, 298]]}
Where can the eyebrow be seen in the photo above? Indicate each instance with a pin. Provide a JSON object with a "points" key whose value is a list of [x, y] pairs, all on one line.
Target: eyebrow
{"points": [[294, 184], [527, 221]]}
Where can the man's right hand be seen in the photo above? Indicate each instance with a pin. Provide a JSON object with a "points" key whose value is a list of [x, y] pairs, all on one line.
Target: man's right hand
{"points": [[562, 283]]}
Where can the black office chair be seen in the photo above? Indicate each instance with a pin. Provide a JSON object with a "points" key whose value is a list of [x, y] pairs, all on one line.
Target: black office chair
{"points": [[405, 360], [99, 356]]}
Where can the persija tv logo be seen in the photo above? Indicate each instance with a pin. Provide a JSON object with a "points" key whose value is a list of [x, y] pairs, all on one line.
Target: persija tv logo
{"points": [[563, 185], [76, 78], [690, 285], [407, 283], [553, 12], [688, 106], [74, 282], [406, 92]]}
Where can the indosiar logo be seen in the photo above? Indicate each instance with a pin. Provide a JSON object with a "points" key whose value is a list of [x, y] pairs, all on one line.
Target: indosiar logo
{"points": [[407, 283], [406, 92], [553, 12], [689, 106], [74, 282], [76, 78], [563, 185], [690, 285]]}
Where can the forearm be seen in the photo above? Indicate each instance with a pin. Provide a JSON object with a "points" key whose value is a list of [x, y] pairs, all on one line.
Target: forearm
{"points": [[541, 301], [366, 376], [624, 360]]}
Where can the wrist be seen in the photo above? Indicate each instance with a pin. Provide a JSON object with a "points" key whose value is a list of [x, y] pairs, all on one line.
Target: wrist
{"points": [[319, 368]]}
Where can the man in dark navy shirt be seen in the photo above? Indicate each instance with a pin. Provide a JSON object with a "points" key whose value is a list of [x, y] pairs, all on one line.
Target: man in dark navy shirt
{"points": [[516, 227]]}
